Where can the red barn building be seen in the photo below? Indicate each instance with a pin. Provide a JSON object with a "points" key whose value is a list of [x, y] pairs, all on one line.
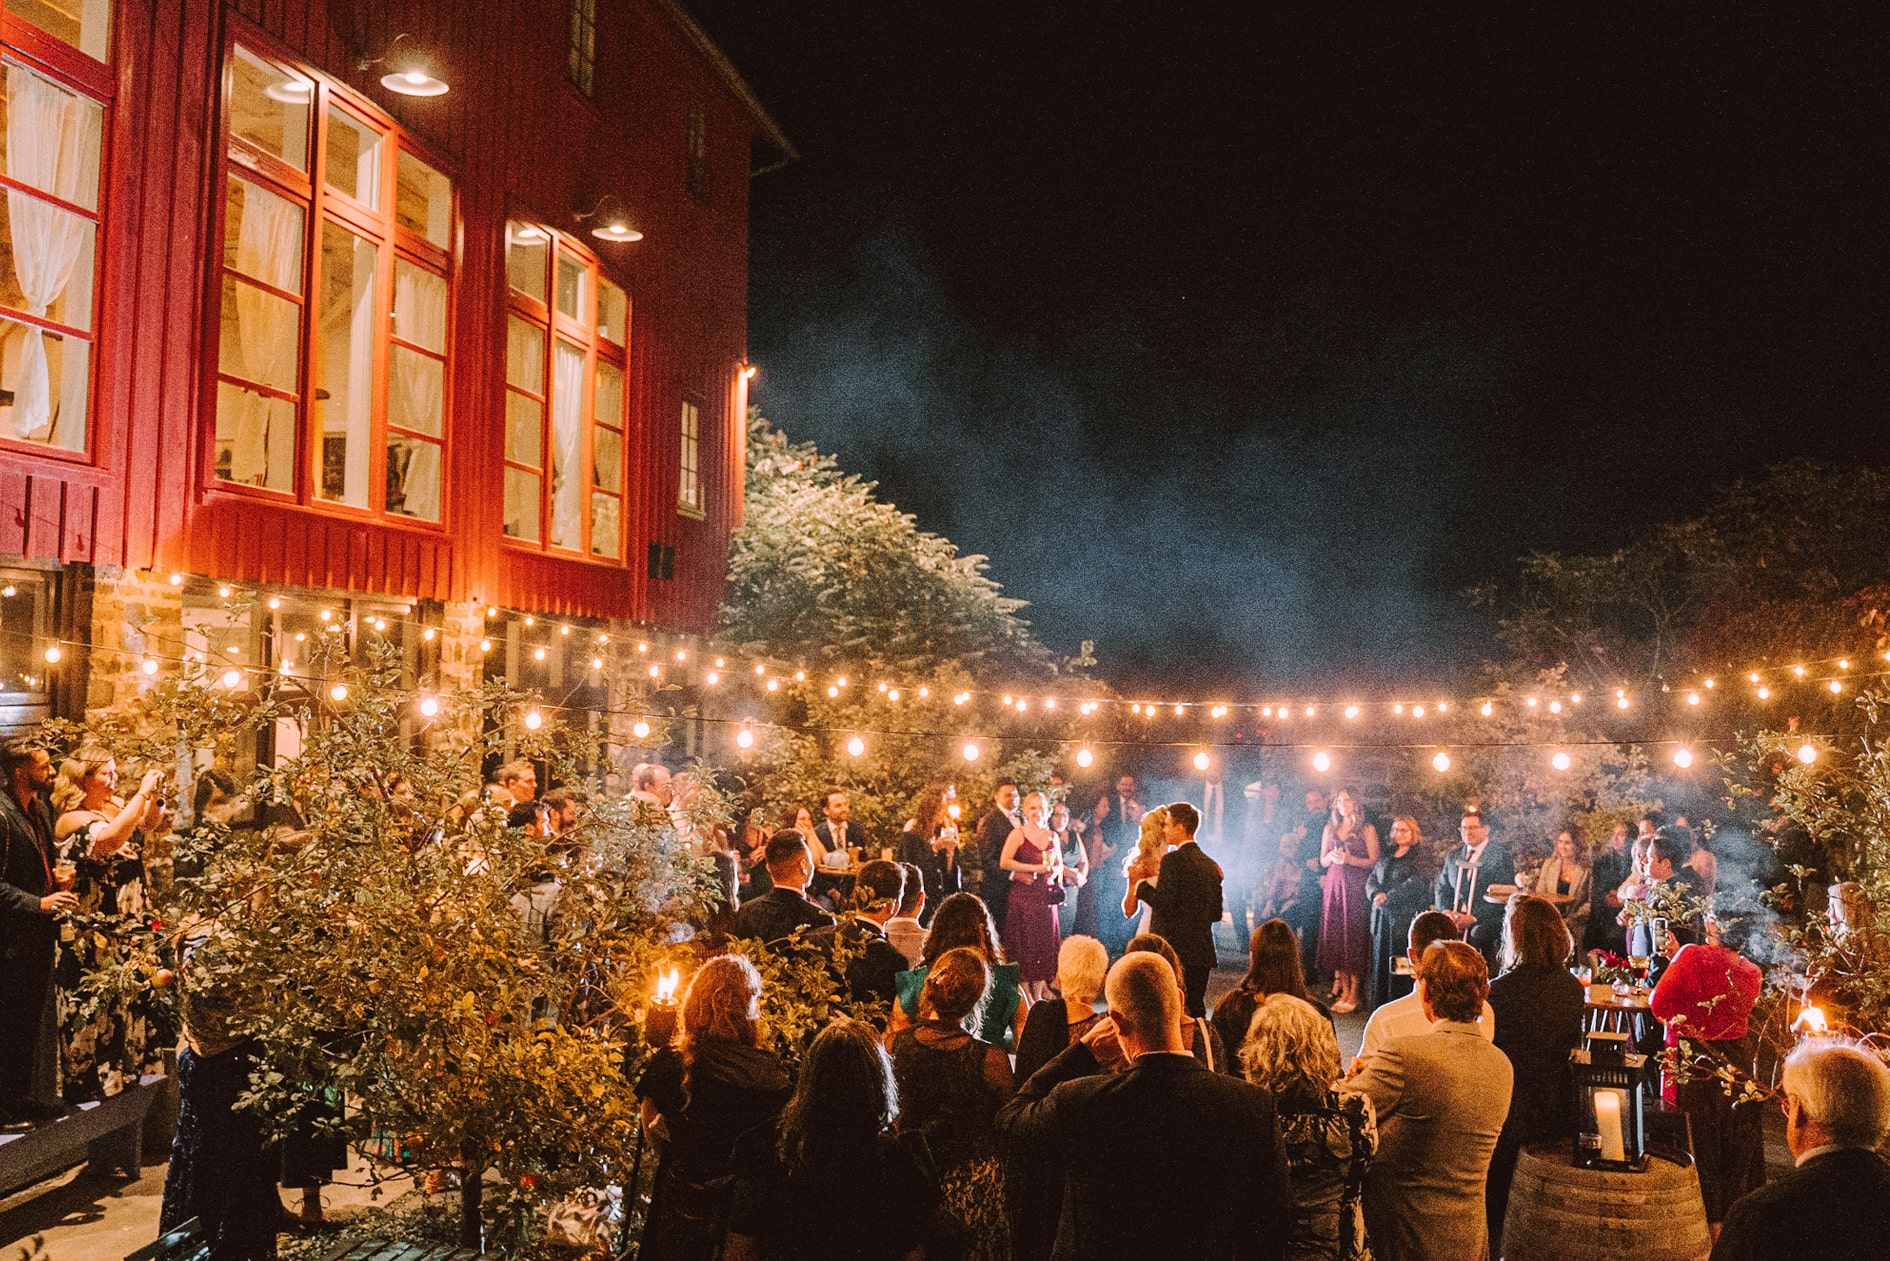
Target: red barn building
{"points": [[393, 362]]}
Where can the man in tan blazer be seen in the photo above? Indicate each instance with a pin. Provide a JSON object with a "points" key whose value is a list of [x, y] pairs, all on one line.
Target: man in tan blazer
{"points": [[1440, 1098]]}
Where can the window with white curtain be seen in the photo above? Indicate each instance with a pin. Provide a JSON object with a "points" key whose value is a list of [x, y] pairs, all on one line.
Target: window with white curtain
{"points": [[567, 330], [689, 462], [336, 287], [49, 230]]}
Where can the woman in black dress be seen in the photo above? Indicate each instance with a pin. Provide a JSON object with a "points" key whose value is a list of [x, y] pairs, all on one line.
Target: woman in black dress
{"points": [[1399, 890], [701, 1095], [930, 843], [950, 1089], [836, 1183]]}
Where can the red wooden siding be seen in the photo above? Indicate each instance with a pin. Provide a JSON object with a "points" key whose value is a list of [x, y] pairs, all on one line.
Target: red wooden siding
{"points": [[518, 141]]}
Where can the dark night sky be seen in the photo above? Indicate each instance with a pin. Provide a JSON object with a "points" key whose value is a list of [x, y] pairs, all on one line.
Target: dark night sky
{"points": [[1242, 338]]}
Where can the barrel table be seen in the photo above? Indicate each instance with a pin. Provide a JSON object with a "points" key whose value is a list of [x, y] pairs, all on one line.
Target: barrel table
{"points": [[1559, 1210]]}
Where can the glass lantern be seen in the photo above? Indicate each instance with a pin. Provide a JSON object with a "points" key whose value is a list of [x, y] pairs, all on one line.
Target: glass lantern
{"points": [[1610, 1132]]}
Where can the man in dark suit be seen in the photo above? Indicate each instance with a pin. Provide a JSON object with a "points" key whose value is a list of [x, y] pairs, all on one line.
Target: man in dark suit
{"points": [[1612, 868], [1205, 1176], [838, 831], [1186, 898], [1468, 872], [784, 908], [994, 883], [874, 961], [28, 903], [1116, 824], [1836, 1203]]}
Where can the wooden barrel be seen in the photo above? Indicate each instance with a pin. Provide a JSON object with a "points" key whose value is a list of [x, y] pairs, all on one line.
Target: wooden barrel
{"points": [[1558, 1210]]}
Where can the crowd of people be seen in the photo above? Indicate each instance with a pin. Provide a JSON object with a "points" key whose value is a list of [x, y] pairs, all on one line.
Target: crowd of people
{"points": [[1042, 1074]]}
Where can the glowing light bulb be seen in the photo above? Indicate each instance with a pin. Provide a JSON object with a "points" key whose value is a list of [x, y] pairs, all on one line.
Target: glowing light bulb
{"points": [[286, 666], [656, 672], [1708, 685], [961, 698], [720, 664], [1134, 708], [745, 739], [841, 681], [1022, 704], [925, 693], [223, 592], [1561, 761], [327, 614], [1049, 702], [177, 580], [1765, 693], [971, 751], [1693, 698], [1009, 700], [1683, 758], [1574, 698], [530, 620], [1398, 708], [1266, 711], [1177, 711], [640, 729], [1351, 711], [428, 634], [761, 669], [643, 647], [1084, 757], [9, 591], [1310, 711], [1807, 753], [882, 687], [1753, 677], [492, 610], [712, 678], [1201, 761], [1417, 711], [1443, 707], [338, 693], [1555, 707], [148, 666], [429, 706], [774, 685], [856, 746], [564, 630], [893, 695], [597, 663], [1219, 711], [53, 654], [1799, 671], [534, 720], [485, 645], [1620, 702], [1531, 702], [681, 655], [1835, 686], [833, 692], [800, 676], [1487, 709], [1441, 762], [538, 654], [275, 602], [1843, 664], [300, 636], [232, 679], [1322, 761]]}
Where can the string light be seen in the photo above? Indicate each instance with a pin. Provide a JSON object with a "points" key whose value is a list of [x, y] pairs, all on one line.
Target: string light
{"points": [[338, 693], [275, 602], [53, 654], [1084, 757], [856, 746], [1555, 707], [833, 692], [597, 663], [1487, 709], [1683, 757], [1201, 761], [538, 654], [428, 634], [177, 580], [1561, 761], [1322, 761], [485, 645], [745, 739], [711, 679], [1351, 711], [774, 685], [564, 630], [429, 706], [1835, 686], [223, 592], [1417, 711], [1620, 702], [232, 679], [640, 729], [893, 695], [533, 720], [1693, 698], [1441, 762], [1764, 693], [970, 751], [1807, 753], [148, 665]]}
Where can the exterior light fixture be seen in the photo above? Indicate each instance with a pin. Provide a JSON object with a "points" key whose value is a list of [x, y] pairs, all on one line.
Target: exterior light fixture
{"points": [[408, 73], [612, 222]]}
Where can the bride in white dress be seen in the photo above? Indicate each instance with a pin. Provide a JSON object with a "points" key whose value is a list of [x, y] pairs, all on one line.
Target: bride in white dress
{"points": [[1146, 862]]}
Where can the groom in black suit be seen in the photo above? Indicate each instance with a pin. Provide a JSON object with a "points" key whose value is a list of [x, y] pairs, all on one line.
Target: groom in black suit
{"points": [[1186, 898], [1207, 1174]]}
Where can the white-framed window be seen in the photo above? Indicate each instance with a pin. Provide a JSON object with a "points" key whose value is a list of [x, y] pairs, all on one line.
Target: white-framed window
{"points": [[581, 52], [689, 498], [334, 299], [567, 327]]}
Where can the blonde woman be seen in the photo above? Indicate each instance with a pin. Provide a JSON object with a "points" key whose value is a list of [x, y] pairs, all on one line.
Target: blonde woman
{"points": [[1348, 851], [1146, 862], [101, 835], [1330, 1137]]}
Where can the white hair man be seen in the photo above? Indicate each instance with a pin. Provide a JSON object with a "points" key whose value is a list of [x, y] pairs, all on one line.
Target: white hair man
{"points": [[1836, 1203]]}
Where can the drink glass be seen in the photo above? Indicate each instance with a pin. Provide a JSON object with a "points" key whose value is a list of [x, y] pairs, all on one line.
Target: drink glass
{"points": [[65, 873]]}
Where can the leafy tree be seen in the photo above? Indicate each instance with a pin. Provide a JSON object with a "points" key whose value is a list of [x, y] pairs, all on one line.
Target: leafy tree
{"points": [[824, 574]]}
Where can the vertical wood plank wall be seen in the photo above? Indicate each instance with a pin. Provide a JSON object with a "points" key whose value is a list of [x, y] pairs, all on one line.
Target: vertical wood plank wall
{"points": [[519, 140]]}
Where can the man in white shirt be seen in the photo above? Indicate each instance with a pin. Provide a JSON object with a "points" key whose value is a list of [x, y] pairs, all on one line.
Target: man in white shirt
{"points": [[1405, 1016], [903, 930]]}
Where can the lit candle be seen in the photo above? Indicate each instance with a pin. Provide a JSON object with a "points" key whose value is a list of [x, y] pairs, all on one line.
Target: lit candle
{"points": [[1608, 1122], [659, 1022]]}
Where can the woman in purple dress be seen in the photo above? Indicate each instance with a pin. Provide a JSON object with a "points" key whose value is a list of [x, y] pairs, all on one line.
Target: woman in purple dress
{"points": [[1034, 860], [1347, 852]]}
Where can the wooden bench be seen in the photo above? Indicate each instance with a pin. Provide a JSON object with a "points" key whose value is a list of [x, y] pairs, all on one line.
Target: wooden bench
{"points": [[108, 1134]]}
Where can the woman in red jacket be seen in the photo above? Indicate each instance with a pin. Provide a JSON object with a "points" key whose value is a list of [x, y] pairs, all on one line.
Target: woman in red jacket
{"points": [[1705, 998]]}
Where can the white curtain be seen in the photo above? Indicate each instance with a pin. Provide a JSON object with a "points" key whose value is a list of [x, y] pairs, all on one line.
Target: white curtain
{"points": [[359, 418], [567, 441], [46, 148], [268, 247], [419, 384]]}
